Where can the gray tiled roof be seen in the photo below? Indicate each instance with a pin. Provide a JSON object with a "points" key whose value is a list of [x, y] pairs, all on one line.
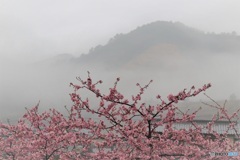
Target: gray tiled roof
{"points": [[219, 127]]}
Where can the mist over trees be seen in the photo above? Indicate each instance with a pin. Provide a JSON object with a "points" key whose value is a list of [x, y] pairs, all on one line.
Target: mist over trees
{"points": [[171, 53]]}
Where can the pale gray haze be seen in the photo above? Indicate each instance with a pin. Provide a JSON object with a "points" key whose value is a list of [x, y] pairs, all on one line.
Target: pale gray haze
{"points": [[45, 44]]}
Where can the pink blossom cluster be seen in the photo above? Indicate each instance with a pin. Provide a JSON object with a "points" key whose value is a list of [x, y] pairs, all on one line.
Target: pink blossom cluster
{"points": [[127, 128]]}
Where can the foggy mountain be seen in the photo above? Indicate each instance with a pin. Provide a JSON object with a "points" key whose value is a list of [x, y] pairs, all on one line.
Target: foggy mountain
{"points": [[175, 56], [158, 40]]}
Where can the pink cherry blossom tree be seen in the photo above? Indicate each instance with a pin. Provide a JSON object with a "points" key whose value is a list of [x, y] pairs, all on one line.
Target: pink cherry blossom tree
{"points": [[125, 129]]}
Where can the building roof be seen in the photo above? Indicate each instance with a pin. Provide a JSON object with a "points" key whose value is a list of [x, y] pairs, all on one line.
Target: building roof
{"points": [[220, 127]]}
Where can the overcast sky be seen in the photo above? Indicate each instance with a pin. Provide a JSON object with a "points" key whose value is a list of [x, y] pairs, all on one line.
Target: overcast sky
{"points": [[42, 28]]}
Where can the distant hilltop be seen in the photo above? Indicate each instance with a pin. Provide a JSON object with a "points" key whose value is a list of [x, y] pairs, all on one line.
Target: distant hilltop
{"points": [[150, 43]]}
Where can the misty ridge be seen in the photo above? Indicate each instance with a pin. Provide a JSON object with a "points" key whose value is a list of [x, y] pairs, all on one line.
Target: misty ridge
{"points": [[177, 37], [173, 55]]}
